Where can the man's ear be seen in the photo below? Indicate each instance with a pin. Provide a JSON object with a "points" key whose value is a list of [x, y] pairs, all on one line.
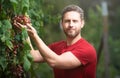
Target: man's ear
{"points": [[82, 23]]}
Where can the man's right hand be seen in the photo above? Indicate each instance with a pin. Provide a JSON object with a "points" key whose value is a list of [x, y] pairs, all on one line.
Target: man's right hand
{"points": [[22, 21]]}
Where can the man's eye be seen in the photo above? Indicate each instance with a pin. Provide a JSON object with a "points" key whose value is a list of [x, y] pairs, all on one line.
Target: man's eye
{"points": [[75, 21], [67, 21]]}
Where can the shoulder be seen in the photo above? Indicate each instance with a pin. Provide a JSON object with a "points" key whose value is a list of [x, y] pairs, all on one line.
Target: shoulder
{"points": [[86, 47], [89, 49], [86, 44]]}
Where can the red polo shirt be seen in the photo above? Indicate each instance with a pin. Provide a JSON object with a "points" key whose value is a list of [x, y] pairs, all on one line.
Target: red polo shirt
{"points": [[86, 54]]}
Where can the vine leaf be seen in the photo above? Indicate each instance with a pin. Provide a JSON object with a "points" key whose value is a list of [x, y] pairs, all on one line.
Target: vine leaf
{"points": [[14, 3], [24, 34], [26, 63], [25, 6], [9, 44], [3, 63]]}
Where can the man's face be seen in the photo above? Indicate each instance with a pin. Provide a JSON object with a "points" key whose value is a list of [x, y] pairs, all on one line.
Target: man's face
{"points": [[72, 24]]}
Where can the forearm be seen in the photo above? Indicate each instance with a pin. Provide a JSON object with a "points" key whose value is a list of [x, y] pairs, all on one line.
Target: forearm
{"points": [[35, 53], [45, 51], [37, 56]]}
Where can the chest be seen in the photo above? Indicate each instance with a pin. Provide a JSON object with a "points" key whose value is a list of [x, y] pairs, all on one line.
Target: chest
{"points": [[59, 49]]}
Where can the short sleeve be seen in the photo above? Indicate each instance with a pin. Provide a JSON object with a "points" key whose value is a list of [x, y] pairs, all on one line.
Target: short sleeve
{"points": [[85, 55]]}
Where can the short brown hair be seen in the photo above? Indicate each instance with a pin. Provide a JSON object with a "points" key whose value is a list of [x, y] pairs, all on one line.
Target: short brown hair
{"points": [[73, 8]]}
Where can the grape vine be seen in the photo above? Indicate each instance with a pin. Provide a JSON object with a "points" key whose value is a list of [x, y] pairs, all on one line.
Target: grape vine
{"points": [[15, 58]]}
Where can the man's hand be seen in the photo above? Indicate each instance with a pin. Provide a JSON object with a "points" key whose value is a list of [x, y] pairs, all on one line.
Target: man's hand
{"points": [[20, 22], [24, 22]]}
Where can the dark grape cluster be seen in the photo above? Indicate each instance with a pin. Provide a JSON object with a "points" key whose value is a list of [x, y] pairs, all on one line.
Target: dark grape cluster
{"points": [[17, 71], [15, 49], [22, 19]]}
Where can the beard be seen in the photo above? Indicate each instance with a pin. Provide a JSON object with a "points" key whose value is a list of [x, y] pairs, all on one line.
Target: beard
{"points": [[71, 33]]}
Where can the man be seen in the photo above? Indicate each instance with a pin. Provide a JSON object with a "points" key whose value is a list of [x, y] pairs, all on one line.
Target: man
{"points": [[70, 58]]}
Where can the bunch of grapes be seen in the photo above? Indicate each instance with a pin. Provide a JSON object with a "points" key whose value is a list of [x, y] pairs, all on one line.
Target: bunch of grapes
{"points": [[22, 19], [16, 69]]}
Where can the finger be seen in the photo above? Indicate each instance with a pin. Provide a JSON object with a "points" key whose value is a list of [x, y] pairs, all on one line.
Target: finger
{"points": [[29, 26], [16, 25], [30, 32], [20, 25], [31, 29]]}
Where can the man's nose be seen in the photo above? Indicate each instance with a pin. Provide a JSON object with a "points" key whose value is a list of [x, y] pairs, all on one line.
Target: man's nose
{"points": [[71, 24]]}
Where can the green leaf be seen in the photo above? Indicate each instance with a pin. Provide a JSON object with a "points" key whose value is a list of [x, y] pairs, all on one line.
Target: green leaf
{"points": [[17, 37], [24, 34], [3, 38], [3, 15], [26, 63], [9, 44], [25, 6], [30, 57], [26, 46], [3, 63], [14, 3], [6, 25], [5, 31]]}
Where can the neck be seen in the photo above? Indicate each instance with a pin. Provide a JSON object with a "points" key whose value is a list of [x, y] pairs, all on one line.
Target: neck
{"points": [[73, 40]]}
